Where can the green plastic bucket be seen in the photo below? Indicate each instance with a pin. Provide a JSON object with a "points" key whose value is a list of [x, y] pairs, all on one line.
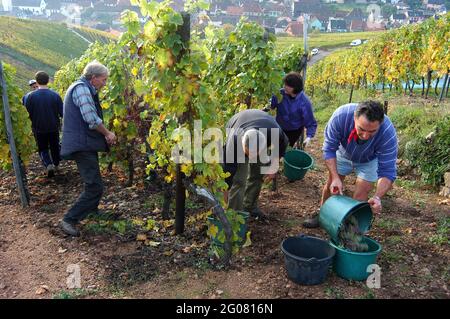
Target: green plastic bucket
{"points": [[335, 211], [296, 164], [353, 265], [242, 234]]}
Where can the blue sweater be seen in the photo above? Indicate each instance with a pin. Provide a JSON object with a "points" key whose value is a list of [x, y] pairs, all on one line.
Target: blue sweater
{"points": [[45, 108], [383, 145], [295, 113]]}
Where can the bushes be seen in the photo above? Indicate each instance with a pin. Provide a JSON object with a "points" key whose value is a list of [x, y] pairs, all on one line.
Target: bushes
{"points": [[431, 154], [428, 153], [415, 121]]}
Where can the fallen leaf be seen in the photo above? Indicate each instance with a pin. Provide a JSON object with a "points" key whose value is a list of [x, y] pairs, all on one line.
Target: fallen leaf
{"points": [[141, 237], [61, 250], [152, 243], [42, 290], [168, 253], [187, 250]]}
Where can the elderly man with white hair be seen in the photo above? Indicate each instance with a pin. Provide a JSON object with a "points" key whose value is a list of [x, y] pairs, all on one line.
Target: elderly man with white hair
{"points": [[84, 135], [255, 143]]}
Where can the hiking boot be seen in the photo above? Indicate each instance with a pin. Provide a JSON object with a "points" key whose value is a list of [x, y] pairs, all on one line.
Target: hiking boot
{"points": [[50, 170], [257, 213], [312, 222], [69, 229]]}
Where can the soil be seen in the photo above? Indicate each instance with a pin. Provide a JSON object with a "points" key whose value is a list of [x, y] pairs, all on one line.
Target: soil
{"points": [[119, 258]]}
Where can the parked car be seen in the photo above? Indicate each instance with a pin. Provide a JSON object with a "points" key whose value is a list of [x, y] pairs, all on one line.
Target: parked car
{"points": [[355, 42], [314, 51]]}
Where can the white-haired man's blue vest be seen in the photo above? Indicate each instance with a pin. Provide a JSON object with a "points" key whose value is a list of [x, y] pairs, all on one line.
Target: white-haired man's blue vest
{"points": [[76, 133]]}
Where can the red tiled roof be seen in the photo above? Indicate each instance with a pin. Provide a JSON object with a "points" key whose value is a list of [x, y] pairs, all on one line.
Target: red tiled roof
{"points": [[235, 11], [295, 28], [252, 7], [357, 25]]}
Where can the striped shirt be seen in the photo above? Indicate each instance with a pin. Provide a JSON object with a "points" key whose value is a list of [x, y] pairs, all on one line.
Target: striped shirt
{"points": [[383, 145], [83, 99]]}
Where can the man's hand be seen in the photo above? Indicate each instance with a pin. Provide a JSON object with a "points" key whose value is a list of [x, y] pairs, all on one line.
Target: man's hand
{"points": [[375, 204], [336, 187], [306, 142], [111, 138]]}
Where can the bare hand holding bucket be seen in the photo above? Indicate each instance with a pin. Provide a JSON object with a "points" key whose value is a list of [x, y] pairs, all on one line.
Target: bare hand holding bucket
{"points": [[336, 187], [375, 204]]}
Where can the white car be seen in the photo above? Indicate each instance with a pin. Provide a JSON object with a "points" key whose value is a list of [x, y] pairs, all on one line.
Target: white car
{"points": [[355, 42], [314, 51]]}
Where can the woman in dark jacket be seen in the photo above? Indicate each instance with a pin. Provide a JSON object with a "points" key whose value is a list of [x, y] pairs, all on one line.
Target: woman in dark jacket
{"points": [[294, 112]]}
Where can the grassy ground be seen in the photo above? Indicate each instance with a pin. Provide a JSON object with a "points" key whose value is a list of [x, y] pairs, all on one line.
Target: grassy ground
{"points": [[31, 45], [327, 40], [95, 35]]}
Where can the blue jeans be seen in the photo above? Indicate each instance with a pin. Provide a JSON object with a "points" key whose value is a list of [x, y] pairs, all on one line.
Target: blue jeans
{"points": [[46, 141], [88, 166]]}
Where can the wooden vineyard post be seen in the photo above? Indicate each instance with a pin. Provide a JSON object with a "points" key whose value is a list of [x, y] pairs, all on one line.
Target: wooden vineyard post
{"points": [[180, 202], [446, 80], [19, 172]]}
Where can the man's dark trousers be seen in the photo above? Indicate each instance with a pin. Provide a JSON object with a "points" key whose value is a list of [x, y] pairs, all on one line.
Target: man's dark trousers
{"points": [[88, 201], [43, 140]]}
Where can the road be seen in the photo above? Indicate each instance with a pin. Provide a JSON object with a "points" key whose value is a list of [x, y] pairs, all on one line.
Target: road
{"points": [[322, 54]]}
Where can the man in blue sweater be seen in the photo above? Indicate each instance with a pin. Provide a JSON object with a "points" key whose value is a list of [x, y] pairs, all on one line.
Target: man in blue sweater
{"points": [[45, 108], [359, 137]]}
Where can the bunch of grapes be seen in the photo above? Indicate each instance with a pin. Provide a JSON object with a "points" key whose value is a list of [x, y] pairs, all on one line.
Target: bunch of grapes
{"points": [[351, 237]]}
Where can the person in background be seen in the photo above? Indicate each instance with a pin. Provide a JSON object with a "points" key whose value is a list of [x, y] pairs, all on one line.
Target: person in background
{"points": [[84, 135], [33, 86], [294, 112], [45, 108]]}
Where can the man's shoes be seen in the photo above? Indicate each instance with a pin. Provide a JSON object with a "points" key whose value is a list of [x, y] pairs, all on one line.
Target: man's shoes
{"points": [[69, 229], [257, 214], [50, 170], [312, 222]]}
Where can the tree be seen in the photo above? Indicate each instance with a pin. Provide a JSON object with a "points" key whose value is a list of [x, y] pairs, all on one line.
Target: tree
{"points": [[447, 4], [87, 14], [388, 10]]}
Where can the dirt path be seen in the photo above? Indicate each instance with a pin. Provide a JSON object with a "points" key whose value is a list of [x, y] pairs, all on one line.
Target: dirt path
{"points": [[113, 264], [34, 261]]}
